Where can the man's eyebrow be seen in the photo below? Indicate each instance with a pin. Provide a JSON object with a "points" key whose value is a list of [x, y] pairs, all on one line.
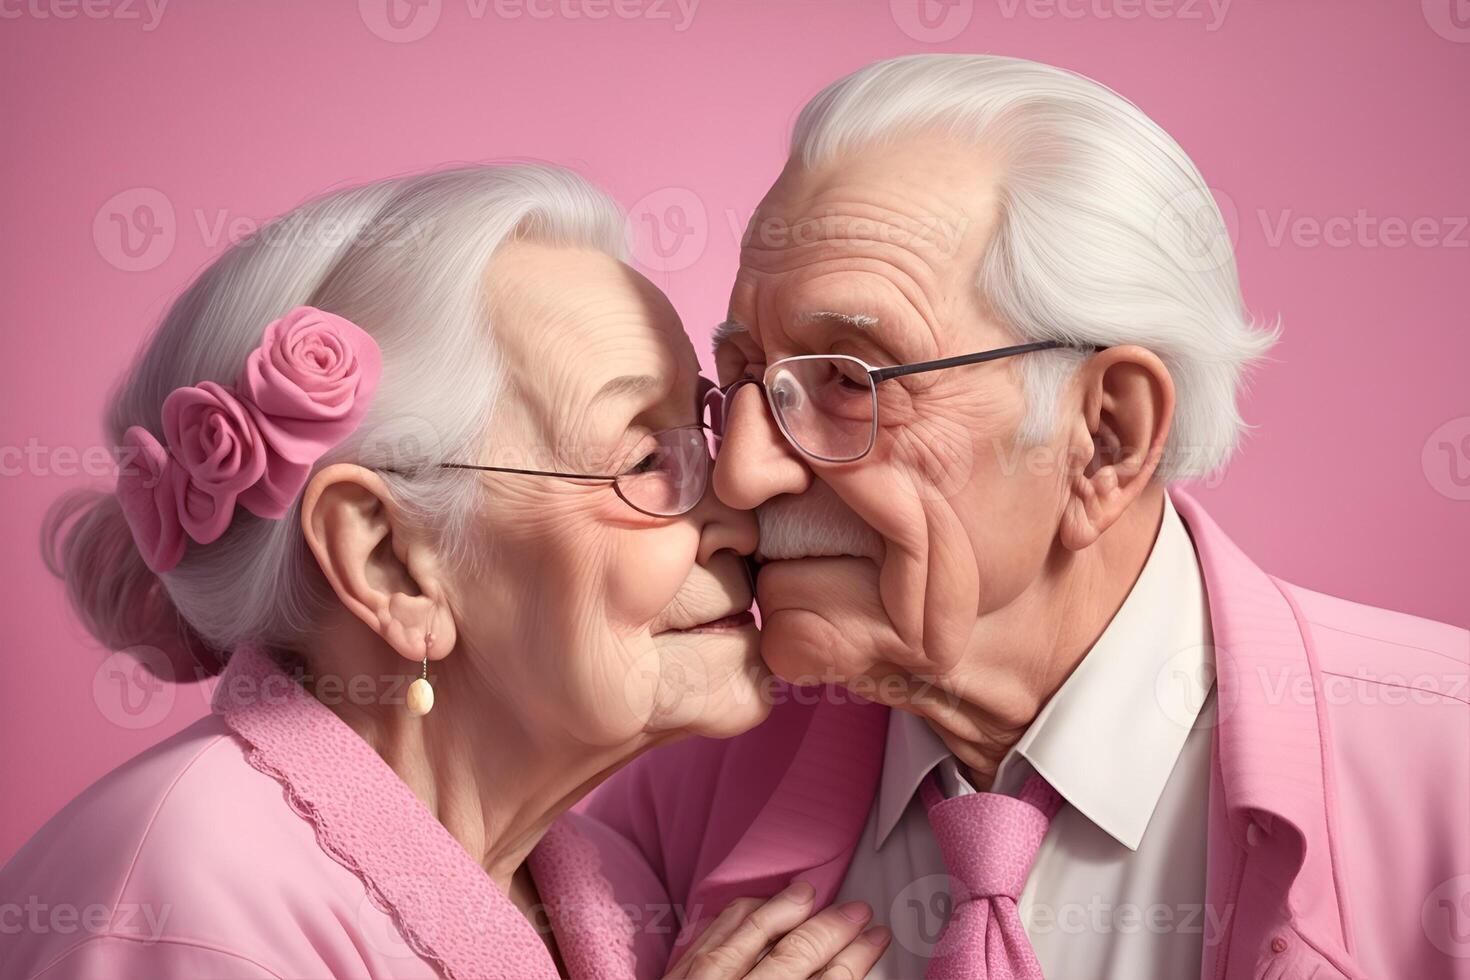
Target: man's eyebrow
{"points": [[858, 321], [724, 331], [627, 385]]}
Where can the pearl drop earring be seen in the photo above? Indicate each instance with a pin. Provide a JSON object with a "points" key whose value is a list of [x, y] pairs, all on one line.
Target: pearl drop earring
{"points": [[421, 692]]}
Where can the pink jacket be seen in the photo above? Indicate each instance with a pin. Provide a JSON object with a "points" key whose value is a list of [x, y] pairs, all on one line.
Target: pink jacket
{"points": [[1339, 827], [269, 840]]}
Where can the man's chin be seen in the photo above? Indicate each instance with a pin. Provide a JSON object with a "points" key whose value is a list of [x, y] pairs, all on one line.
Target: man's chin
{"points": [[816, 617], [803, 648]]}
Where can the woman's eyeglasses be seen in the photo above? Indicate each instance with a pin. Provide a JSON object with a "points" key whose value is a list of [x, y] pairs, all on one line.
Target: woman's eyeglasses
{"points": [[667, 482], [826, 405]]}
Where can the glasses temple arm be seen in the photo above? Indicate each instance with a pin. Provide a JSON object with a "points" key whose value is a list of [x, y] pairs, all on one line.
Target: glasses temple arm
{"points": [[902, 370], [508, 469]]}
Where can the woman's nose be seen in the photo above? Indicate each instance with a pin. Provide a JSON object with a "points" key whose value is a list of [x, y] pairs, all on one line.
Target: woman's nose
{"points": [[755, 462], [723, 528]]}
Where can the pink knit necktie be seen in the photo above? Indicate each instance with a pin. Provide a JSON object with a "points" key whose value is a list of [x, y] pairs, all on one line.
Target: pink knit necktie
{"points": [[988, 842]]}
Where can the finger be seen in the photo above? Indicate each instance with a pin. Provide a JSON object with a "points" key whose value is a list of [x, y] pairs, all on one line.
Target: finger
{"points": [[740, 948], [809, 947], [734, 915], [713, 934], [860, 955]]}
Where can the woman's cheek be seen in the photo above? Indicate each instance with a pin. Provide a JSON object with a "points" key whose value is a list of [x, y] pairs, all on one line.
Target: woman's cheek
{"points": [[646, 570]]}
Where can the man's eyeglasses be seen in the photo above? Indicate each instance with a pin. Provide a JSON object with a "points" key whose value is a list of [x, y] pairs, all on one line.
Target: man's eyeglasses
{"points": [[669, 481], [826, 405]]}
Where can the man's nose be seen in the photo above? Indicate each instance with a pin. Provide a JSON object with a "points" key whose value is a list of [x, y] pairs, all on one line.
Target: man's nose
{"points": [[756, 462]]}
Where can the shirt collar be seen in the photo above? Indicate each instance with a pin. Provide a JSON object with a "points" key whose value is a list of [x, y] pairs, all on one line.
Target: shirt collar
{"points": [[1109, 738]]}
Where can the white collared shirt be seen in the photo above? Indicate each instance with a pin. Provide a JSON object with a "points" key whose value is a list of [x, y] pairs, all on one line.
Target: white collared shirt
{"points": [[1118, 886]]}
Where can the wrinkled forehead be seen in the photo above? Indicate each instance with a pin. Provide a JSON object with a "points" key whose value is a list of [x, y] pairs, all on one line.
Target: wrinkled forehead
{"points": [[587, 343], [883, 241]]}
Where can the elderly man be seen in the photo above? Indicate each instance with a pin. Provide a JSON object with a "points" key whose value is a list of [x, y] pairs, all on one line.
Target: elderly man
{"points": [[984, 317]]}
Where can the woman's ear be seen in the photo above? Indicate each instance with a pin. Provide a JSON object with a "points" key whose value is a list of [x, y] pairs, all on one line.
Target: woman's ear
{"points": [[1126, 399], [382, 571]]}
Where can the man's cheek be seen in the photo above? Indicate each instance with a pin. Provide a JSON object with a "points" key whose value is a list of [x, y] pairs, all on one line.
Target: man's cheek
{"points": [[932, 459]]}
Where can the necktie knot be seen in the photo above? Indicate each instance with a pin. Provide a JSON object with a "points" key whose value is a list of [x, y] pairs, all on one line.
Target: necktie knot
{"points": [[989, 843]]}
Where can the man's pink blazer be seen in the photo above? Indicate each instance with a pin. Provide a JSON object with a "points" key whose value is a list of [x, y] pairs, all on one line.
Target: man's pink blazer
{"points": [[1339, 815]]}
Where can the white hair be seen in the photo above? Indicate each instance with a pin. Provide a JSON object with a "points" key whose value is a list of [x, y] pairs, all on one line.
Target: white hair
{"points": [[403, 258], [1106, 233]]}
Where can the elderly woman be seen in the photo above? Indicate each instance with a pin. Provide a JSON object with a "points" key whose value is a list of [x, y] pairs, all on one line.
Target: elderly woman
{"points": [[426, 479]]}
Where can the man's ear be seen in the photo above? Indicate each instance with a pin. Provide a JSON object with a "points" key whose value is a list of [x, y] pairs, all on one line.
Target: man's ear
{"points": [[381, 571], [1126, 400]]}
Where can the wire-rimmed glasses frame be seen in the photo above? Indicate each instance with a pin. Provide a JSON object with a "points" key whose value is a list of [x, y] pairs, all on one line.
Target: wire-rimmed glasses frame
{"points": [[674, 486]]}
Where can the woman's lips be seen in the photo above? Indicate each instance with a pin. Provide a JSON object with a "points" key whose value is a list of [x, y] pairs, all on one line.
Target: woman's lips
{"points": [[733, 621]]}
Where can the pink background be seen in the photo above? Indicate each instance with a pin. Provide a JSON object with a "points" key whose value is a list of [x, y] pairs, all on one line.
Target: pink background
{"points": [[1328, 131]]}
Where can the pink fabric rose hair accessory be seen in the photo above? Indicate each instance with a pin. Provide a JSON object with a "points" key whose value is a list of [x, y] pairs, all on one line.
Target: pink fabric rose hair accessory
{"points": [[302, 391]]}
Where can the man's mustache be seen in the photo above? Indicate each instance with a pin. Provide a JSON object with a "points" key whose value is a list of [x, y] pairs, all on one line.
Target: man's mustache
{"points": [[811, 524]]}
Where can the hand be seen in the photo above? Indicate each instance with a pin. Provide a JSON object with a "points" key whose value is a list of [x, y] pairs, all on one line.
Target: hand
{"points": [[780, 938]]}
